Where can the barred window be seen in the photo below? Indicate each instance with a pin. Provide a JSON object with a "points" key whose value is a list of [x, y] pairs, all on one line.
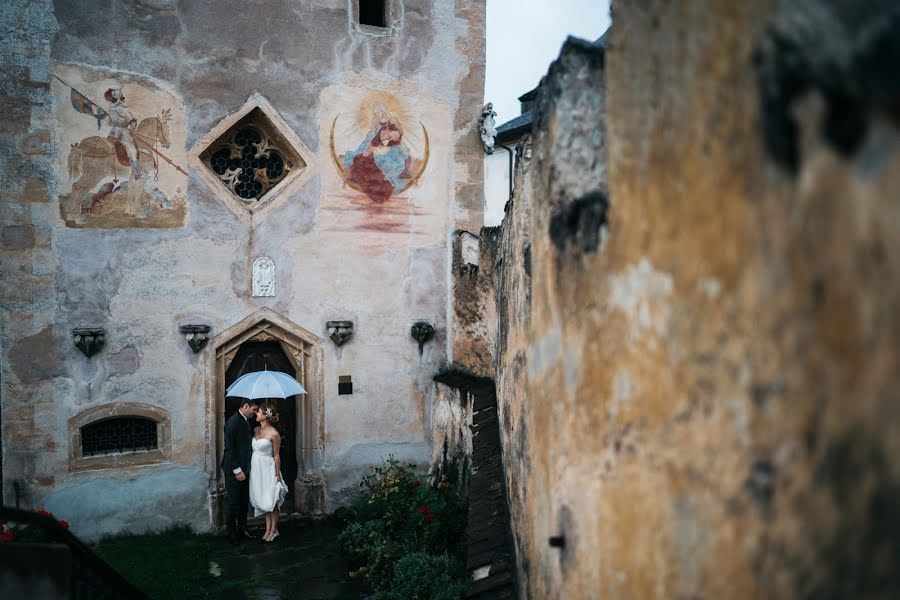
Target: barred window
{"points": [[118, 435]]}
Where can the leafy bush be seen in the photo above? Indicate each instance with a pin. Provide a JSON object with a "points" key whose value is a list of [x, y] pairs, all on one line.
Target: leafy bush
{"points": [[371, 551], [426, 576], [398, 519]]}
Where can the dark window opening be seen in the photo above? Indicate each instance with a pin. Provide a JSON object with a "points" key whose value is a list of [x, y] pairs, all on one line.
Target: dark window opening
{"points": [[118, 435], [345, 385], [373, 12]]}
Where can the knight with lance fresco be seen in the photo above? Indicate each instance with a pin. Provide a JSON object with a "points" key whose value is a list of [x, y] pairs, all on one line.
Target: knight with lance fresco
{"points": [[131, 147], [123, 122]]}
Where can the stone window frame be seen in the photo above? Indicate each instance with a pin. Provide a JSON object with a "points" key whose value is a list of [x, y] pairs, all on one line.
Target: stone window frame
{"points": [[162, 453], [275, 197], [393, 10]]}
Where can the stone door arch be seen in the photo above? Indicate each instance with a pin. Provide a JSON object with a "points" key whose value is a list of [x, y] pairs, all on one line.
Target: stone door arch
{"points": [[304, 351]]}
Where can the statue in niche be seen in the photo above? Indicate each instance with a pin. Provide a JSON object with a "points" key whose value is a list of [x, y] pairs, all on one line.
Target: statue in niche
{"points": [[487, 128], [381, 166], [263, 277]]}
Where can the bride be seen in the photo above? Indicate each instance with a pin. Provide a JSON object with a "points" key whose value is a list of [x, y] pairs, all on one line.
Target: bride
{"points": [[267, 488]]}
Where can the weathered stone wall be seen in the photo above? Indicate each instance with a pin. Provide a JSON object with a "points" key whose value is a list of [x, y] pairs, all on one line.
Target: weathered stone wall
{"points": [[140, 277], [474, 309], [697, 360], [29, 290]]}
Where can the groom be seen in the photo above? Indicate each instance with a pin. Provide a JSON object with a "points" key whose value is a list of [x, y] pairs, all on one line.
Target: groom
{"points": [[236, 464]]}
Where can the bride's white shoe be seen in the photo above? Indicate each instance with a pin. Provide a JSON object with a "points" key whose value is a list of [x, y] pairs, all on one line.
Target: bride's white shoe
{"points": [[274, 535]]}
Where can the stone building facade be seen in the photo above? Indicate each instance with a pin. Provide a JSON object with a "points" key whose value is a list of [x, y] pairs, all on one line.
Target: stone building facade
{"points": [[195, 190]]}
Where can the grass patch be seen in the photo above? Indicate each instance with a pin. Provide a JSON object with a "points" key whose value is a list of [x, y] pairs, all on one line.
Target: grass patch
{"points": [[175, 563], [169, 564]]}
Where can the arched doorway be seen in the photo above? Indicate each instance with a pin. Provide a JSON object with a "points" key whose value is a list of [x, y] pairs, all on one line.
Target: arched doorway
{"points": [[266, 339], [259, 356]]}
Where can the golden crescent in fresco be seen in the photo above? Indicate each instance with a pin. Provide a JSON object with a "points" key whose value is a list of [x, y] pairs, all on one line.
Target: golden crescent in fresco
{"points": [[413, 181]]}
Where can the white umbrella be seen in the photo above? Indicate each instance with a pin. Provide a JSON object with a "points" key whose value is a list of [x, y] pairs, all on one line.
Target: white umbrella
{"points": [[264, 384]]}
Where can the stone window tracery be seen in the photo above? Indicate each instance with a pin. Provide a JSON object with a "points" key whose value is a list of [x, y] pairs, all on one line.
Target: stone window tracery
{"points": [[251, 157]]}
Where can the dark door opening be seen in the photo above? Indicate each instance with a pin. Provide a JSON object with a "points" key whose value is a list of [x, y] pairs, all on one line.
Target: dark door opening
{"points": [[259, 356]]}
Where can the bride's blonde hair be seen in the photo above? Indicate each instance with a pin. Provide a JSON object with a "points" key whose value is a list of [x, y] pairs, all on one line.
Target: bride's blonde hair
{"points": [[268, 409]]}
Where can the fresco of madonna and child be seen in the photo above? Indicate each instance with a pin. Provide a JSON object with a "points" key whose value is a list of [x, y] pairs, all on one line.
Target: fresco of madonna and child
{"points": [[381, 166]]}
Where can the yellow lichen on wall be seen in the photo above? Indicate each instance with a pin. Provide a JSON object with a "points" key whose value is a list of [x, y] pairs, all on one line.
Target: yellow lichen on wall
{"points": [[698, 338]]}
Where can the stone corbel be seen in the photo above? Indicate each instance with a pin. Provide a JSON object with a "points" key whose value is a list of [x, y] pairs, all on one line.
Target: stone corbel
{"points": [[196, 335], [90, 340], [339, 331], [421, 331]]}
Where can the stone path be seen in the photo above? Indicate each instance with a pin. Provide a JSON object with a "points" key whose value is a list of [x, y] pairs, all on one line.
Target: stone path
{"points": [[304, 563]]}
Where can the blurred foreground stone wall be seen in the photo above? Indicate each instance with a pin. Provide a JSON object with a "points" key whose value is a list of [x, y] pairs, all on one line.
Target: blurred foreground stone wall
{"points": [[696, 355]]}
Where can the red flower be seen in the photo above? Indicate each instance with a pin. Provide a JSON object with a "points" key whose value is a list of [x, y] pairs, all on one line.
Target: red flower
{"points": [[44, 512], [415, 484], [429, 517], [423, 509], [64, 523], [7, 536]]}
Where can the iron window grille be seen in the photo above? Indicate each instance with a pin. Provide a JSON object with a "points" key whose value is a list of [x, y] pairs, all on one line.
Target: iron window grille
{"points": [[119, 435]]}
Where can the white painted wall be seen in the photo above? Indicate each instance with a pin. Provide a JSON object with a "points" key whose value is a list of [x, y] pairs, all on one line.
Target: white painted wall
{"points": [[496, 185]]}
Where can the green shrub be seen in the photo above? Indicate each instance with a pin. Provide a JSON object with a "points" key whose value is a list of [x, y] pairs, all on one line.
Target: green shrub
{"points": [[370, 551], [425, 577], [357, 539], [396, 516]]}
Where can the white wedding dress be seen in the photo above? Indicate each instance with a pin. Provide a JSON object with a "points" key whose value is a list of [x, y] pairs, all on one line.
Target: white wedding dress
{"points": [[266, 492]]}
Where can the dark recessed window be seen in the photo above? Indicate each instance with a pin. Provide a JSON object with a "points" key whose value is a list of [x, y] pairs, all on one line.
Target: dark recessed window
{"points": [[345, 385], [373, 12], [118, 435]]}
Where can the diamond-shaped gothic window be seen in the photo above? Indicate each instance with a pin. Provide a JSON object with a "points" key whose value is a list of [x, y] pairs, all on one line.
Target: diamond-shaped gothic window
{"points": [[252, 157]]}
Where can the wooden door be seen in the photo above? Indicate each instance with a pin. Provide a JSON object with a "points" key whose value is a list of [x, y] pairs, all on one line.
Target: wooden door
{"points": [[259, 356]]}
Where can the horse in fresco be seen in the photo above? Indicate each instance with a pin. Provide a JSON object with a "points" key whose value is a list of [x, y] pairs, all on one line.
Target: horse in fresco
{"points": [[96, 158]]}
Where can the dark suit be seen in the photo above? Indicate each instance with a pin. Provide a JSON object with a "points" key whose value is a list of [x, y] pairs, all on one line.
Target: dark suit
{"points": [[237, 454]]}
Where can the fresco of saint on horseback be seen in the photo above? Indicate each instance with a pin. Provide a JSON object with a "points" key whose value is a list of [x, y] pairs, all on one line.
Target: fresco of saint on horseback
{"points": [[124, 161]]}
